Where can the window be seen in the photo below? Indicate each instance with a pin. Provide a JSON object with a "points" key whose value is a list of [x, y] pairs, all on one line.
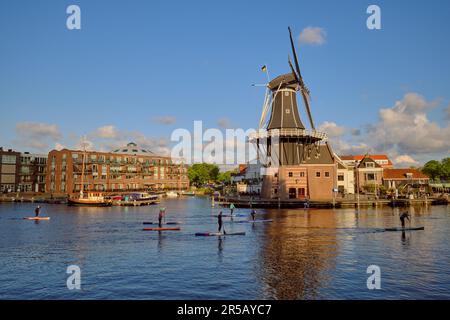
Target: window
{"points": [[318, 174], [327, 174], [302, 174], [7, 159], [370, 177], [370, 165], [341, 177], [290, 174]]}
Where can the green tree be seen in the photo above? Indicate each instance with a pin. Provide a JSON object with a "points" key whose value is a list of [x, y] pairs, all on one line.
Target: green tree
{"points": [[224, 176], [433, 169], [445, 169], [201, 173]]}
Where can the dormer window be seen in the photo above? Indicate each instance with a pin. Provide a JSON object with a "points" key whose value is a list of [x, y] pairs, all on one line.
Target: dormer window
{"points": [[370, 165]]}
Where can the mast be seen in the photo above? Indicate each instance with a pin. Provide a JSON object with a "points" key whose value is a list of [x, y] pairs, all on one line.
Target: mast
{"points": [[82, 171]]}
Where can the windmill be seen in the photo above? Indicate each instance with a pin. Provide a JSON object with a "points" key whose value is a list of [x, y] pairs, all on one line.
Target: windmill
{"points": [[284, 123], [282, 139]]}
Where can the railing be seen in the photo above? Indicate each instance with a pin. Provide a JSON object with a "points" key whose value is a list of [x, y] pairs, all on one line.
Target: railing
{"points": [[289, 132]]}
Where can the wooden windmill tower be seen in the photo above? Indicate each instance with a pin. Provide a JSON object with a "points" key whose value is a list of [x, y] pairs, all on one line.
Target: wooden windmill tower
{"points": [[285, 147]]}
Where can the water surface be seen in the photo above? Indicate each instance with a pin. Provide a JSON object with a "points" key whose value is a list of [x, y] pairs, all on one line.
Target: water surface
{"points": [[303, 254]]}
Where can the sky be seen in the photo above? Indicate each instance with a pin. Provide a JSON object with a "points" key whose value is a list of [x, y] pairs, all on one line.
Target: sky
{"points": [[137, 70]]}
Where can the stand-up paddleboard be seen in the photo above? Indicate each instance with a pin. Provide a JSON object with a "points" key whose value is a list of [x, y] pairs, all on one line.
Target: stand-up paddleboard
{"points": [[36, 218], [404, 229], [254, 221], [231, 215], [210, 234], [161, 229], [155, 223]]}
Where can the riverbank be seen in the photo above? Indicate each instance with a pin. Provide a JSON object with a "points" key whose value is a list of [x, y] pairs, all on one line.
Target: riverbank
{"points": [[247, 202]]}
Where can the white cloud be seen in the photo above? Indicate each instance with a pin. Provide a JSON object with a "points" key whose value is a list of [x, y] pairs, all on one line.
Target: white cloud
{"points": [[313, 36], [166, 120], [59, 146], [407, 127], [224, 123], [107, 132], [84, 144], [37, 136], [331, 129], [404, 159], [404, 132]]}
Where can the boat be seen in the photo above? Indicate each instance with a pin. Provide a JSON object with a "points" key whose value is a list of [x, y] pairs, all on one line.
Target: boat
{"points": [[91, 199], [155, 223], [172, 194], [135, 199], [161, 229], [254, 221], [36, 218], [404, 229], [210, 234], [188, 193]]}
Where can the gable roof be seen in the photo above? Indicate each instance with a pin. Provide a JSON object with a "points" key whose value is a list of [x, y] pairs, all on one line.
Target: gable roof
{"points": [[401, 174], [359, 157], [368, 159]]}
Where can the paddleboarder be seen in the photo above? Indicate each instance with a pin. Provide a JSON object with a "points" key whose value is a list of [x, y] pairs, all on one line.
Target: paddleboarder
{"points": [[162, 212], [232, 209], [220, 222], [37, 211], [403, 216], [253, 213]]}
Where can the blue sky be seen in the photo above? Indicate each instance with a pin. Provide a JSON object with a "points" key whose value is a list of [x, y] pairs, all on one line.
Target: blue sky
{"points": [[135, 61]]}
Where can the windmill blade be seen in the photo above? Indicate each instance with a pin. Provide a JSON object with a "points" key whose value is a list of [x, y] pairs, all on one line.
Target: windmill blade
{"points": [[303, 88], [297, 67], [292, 69], [305, 96]]}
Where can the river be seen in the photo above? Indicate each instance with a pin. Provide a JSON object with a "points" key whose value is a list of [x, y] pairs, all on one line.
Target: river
{"points": [[302, 254]]}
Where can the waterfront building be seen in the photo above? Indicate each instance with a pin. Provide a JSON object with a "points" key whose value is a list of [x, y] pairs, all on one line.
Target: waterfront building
{"points": [[354, 160], [130, 168], [368, 175], [248, 180], [32, 172], [9, 169], [405, 180], [345, 177]]}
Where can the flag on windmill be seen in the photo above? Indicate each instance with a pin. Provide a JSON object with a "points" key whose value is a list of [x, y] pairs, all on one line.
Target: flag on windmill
{"points": [[264, 68]]}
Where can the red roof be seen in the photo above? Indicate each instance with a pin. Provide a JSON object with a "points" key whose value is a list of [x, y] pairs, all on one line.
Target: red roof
{"points": [[400, 174], [359, 157]]}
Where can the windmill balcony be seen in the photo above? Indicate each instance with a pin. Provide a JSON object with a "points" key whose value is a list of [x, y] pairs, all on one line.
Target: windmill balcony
{"points": [[287, 132]]}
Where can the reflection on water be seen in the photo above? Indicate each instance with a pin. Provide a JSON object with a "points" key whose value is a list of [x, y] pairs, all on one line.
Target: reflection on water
{"points": [[303, 254], [296, 256]]}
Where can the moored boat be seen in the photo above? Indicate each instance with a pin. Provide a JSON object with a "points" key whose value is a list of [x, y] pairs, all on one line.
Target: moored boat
{"points": [[90, 199], [171, 194]]}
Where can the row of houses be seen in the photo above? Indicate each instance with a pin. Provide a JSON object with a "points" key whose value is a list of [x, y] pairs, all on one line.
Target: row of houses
{"points": [[368, 174], [130, 168]]}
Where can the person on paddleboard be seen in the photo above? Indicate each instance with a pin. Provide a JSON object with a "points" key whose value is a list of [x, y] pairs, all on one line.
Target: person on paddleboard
{"points": [[403, 216], [231, 209], [220, 222], [162, 212], [253, 213], [37, 211]]}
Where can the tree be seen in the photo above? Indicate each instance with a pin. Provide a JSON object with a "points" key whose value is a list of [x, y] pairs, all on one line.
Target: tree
{"points": [[201, 173], [433, 169], [445, 169], [224, 177]]}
